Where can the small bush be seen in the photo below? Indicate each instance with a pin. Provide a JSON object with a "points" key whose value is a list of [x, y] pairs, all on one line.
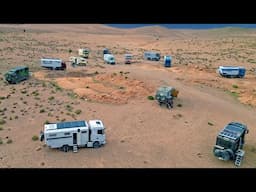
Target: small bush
{"points": [[9, 141], [150, 97], [42, 111], [1, 142], [35, 138], [235, 86], [78, 111], [70, 50], [25, 102], [87, 87], [121, 87], [1, 128], [179, 105], [63, 119], [16, 117], [37, 98], [46, 122], [10, 118], [209, 123], [51, 98], [44, 84], [23, 91], [2, 98], [69, 108], [2, 121]]}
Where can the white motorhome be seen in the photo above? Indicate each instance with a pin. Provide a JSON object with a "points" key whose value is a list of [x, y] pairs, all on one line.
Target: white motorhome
{"points": [[109, 59], [74, 134], [53, 63]]}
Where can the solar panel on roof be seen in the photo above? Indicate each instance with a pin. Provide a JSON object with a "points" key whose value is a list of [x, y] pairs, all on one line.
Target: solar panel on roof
{"points": [[70, 124]]}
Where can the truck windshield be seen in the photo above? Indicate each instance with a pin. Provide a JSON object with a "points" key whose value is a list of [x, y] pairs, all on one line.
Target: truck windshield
{"points": [[226, 143]]}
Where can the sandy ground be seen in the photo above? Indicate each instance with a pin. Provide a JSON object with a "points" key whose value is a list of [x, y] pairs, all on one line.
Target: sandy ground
{"points": [[139, 133]]}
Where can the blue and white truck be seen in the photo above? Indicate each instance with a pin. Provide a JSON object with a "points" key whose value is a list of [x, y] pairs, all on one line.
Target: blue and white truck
{"points": [[153, 56], [231, 71]]}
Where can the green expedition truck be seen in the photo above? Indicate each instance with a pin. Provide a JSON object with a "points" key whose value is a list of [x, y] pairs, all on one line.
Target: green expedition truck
{"points": [[17, 74]]}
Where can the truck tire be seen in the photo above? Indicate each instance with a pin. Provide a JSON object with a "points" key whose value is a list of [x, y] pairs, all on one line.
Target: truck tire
{"points": [[65, 148], [96, 144]]}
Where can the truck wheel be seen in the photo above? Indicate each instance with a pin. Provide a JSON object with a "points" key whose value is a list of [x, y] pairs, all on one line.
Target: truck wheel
{"points": [[65, 148], [96, 144]]}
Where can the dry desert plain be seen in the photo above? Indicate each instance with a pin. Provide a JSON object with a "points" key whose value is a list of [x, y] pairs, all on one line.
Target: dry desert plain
{"points": [[139, 133]]}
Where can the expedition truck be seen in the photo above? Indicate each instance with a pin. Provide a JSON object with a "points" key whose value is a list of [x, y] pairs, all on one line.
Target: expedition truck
{"points": [[17, 74], [153, 56], [74, 135], [229, 71], [51, 63], [230, 142]]}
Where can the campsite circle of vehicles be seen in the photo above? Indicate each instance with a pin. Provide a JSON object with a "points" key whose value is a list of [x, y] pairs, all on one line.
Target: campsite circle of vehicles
{"points": [[77, 134]]}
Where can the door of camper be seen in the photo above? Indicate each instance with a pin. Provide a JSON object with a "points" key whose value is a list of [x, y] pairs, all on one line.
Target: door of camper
{"points": [[75, 138]]}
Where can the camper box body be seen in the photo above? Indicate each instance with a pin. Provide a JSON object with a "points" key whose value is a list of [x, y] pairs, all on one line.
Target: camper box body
{"points": [[109, 59], [153, 56], [167, 61], [83, 52], [79, 133], [53, 64], [229, 71]]}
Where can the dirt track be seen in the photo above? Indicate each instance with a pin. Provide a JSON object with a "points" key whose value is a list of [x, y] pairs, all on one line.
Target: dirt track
{"points": [[139, 133]]}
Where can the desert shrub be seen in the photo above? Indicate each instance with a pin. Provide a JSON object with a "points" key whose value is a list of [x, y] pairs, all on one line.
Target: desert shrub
{"points": [[69, 108], [35, 138], [209, 123], [179, 105], [150, 97], [50, 98], [9, 141], [2, 121], [235, 86], [78, 111], [42, 111]]}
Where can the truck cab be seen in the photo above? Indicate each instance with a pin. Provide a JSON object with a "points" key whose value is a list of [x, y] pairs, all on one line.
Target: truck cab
{"points": [[230, 142]]}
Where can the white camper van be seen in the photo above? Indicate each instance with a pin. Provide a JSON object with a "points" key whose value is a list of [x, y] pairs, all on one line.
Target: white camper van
{"points": [[74, 134], [109, 59]]}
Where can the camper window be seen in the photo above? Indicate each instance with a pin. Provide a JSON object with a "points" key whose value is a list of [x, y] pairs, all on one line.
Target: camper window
{"points": [[52, 135], [67, 133], [83, 131]]}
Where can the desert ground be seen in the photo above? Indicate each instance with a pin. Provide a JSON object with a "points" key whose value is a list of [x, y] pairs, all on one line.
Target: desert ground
{"points": [[139, 133]]}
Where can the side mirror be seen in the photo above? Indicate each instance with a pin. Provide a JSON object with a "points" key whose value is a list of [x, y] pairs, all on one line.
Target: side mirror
{"points": [[247, 131]]}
